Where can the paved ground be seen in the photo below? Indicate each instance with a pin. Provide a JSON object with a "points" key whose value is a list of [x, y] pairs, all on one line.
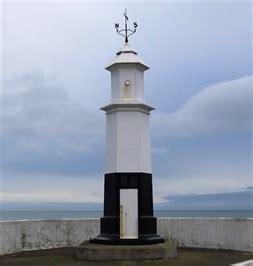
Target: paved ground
{"points": [[66, 257]]}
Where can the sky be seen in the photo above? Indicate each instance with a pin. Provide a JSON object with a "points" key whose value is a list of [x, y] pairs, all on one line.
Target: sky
{"points": [[200, 82]]}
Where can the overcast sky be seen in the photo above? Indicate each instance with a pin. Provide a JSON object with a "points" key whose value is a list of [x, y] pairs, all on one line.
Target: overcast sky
{"points": [[54, 82]]}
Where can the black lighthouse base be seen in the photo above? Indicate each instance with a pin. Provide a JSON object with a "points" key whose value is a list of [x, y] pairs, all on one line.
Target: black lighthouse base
{"points": [[110, 223], [115, 240]]}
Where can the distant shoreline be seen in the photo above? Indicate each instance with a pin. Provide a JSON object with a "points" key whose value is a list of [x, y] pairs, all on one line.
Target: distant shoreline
{"points": [[12, 215]]}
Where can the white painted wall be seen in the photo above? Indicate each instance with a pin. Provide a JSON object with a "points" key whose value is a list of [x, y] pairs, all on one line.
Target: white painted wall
{"points": [[215, 233], [128, 142], [120, 74], [44, 234], [218, 233], [127, 131]]}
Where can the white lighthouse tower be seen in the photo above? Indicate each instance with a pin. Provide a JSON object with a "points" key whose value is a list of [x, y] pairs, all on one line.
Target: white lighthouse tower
{"points": [[128, 197]]}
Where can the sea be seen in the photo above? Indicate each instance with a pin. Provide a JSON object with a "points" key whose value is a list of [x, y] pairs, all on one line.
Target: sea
{"points": [[45, 215]]}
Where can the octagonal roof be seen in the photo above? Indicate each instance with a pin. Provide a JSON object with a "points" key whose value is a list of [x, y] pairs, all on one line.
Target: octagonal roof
{"points": [[126, 55]]}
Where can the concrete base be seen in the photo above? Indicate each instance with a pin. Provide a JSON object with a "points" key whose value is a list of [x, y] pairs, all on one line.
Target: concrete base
{"points": [[97, 252]]}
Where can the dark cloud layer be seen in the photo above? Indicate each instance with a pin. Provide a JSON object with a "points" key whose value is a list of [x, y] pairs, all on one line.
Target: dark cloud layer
{"points": [[241, 200], [44, 131]]}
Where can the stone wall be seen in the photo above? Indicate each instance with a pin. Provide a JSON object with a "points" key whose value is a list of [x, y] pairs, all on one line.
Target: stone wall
{"points": [[218, 233], [214, 233]]}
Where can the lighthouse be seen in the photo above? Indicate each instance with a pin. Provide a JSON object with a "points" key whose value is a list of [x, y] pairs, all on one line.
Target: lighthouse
{"points": [[128, 192]]}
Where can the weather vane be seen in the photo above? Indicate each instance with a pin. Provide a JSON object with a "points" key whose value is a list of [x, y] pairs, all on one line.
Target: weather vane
{"points": [[127, 32]]}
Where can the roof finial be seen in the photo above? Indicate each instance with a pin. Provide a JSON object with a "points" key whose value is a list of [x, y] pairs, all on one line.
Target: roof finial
{"points": [[126, 30]]}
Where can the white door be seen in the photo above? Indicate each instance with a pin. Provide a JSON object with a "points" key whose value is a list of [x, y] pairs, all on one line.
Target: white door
{"points": [[128, 213]]}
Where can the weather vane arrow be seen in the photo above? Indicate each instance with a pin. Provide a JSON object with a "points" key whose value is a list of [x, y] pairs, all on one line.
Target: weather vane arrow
{"points": [[126, 32]]}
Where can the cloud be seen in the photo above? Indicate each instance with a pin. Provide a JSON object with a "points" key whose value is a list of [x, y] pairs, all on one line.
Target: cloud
{"points": [[238, 200], [203, 179], [218, 201], [49, 206], [43, 125], [32, 106], [220, 107], [205, 147], [52, 188]]}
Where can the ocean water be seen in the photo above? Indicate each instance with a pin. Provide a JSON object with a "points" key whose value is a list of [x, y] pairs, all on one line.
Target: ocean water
{"points": [[28, 215]]}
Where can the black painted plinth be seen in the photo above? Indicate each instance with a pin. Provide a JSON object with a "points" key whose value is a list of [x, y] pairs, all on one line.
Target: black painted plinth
{"points": [[115, 240], [110, 223]]}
